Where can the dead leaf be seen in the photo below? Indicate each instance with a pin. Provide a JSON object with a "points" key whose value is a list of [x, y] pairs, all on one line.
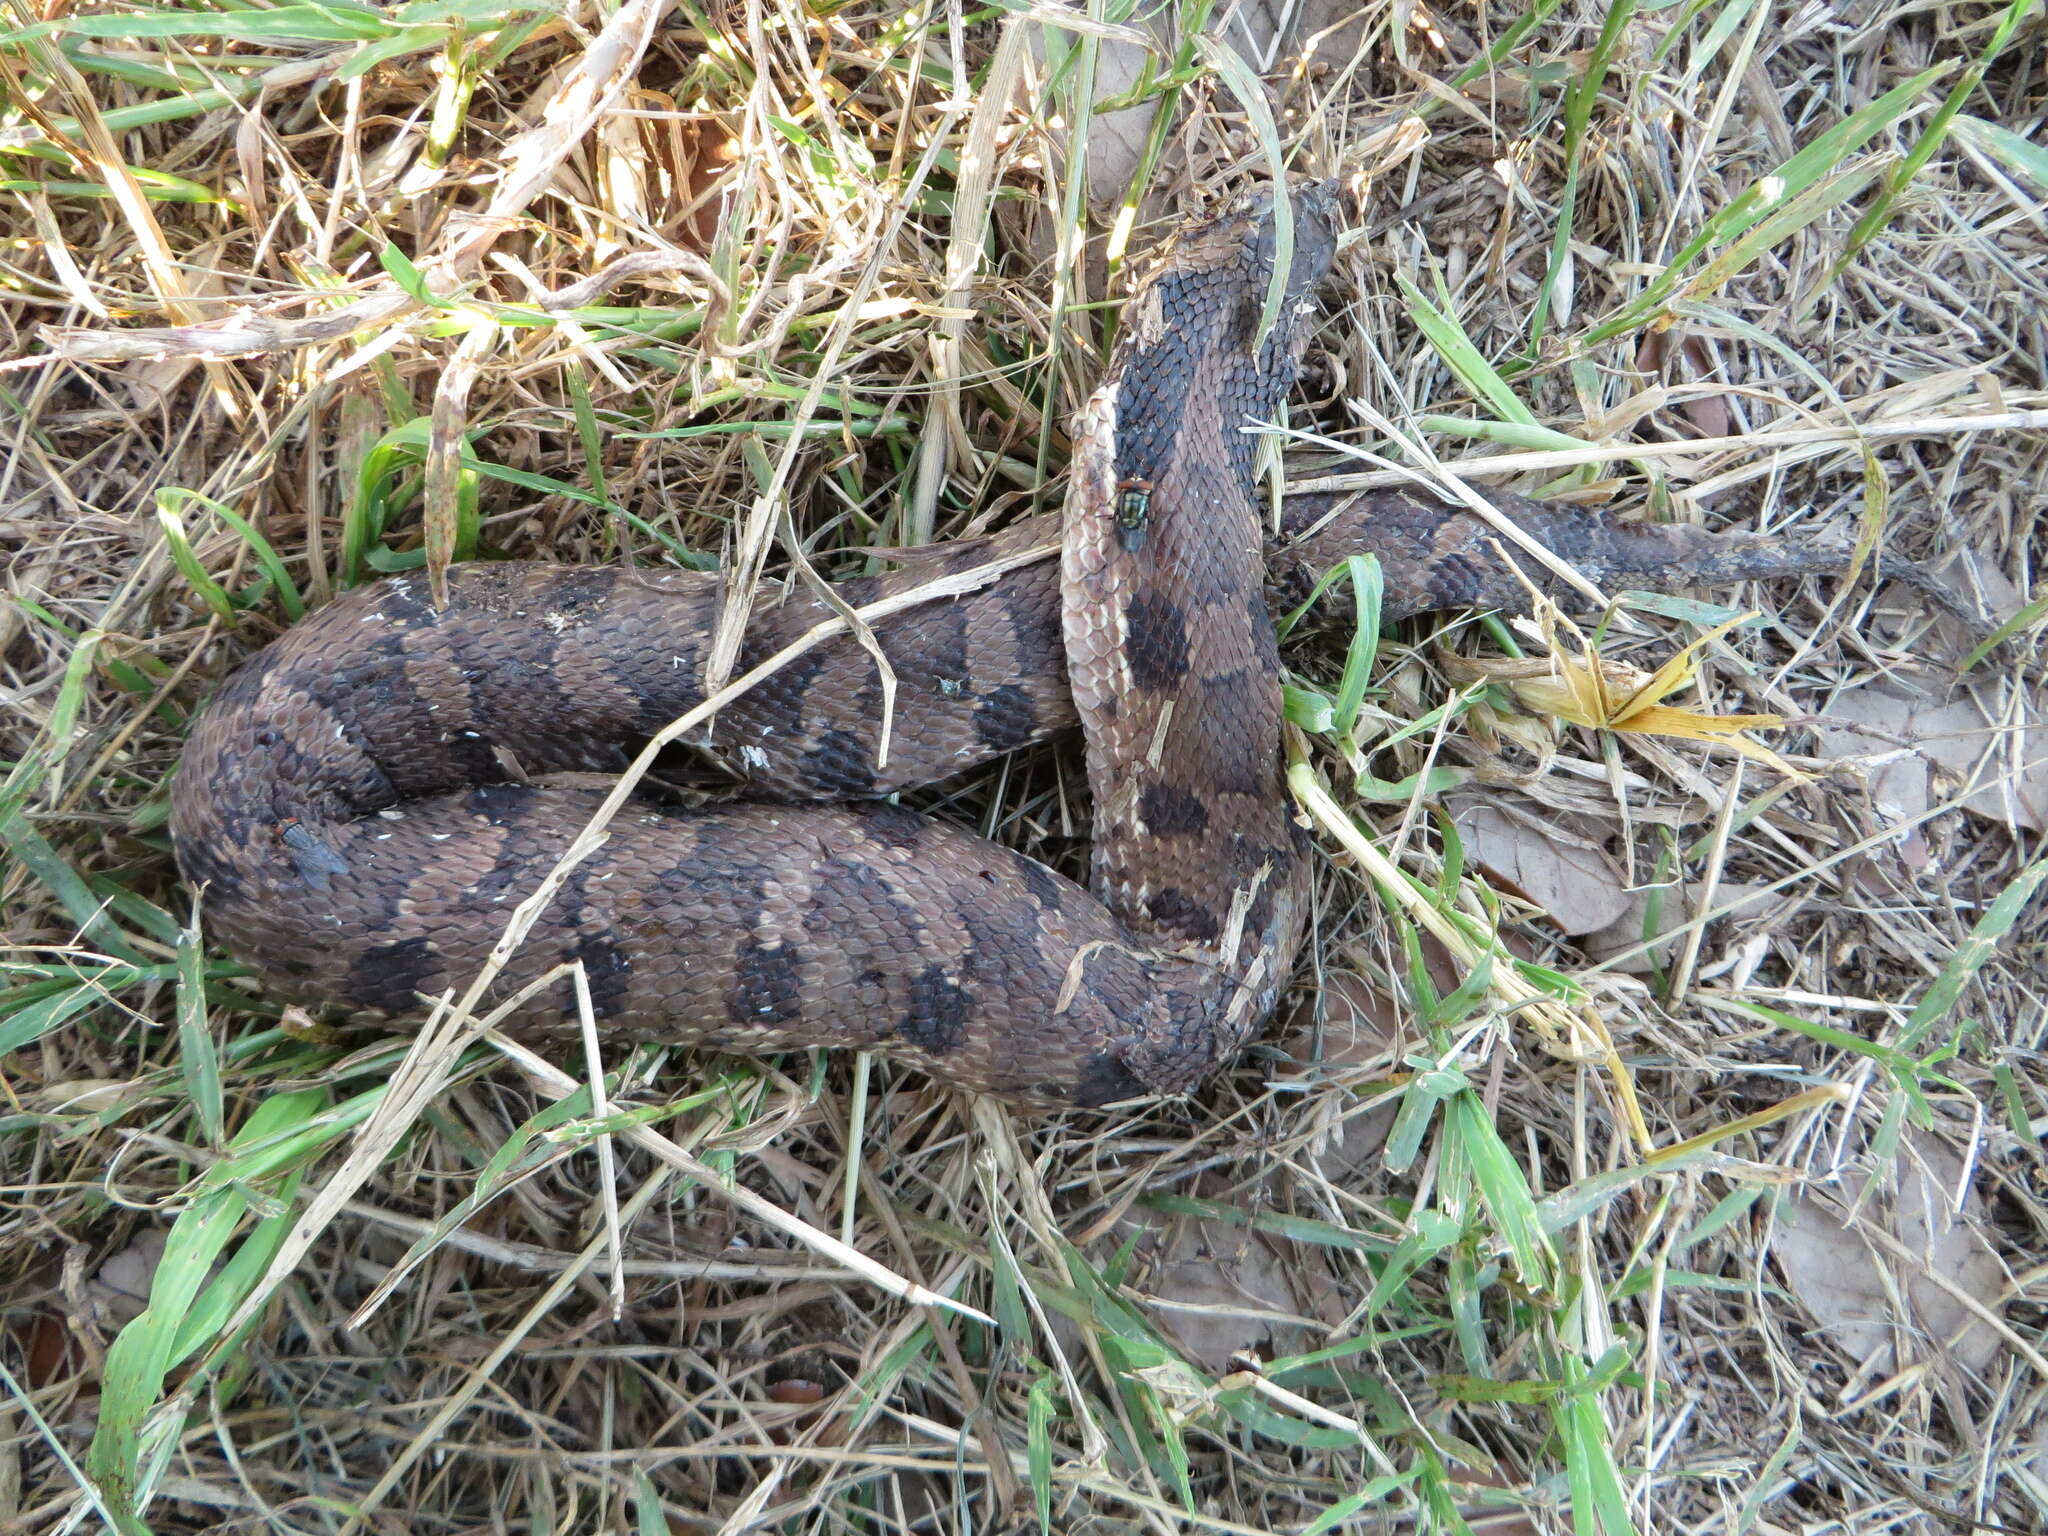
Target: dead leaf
{"points": [[48, 1352], [1570, 878], [1677, 906], [1358, 1023], [1116, 140], [1848, 1281], [120, 1290], [1287, 33], [1578, 684], [1676, 358], [1982, 588], [1222, 1290], [1360, 1026], [1709, 414], [1924, 746], [152, 384]]}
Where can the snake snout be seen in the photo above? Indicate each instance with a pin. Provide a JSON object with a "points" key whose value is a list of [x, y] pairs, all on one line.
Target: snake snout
{"points": [[1315, 235]]}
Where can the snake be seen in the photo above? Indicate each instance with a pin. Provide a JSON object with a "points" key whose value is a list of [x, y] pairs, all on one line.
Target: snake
{"points": [[365, 802]]}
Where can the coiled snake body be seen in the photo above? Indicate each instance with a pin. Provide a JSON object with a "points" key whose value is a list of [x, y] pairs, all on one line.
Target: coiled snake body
{"points": [[344, 800], [356, 802]]}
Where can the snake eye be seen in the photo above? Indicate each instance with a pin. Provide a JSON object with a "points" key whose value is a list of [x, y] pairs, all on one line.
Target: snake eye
{"points": [[266, 738]]}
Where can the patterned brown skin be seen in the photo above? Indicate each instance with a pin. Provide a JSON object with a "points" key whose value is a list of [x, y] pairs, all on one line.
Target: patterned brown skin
{"points": [[344, 806], [1171, 653], [347, 802]]}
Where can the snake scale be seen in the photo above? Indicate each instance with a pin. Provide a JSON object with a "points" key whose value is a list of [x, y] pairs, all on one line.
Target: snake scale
{"points": [[364, 801]]}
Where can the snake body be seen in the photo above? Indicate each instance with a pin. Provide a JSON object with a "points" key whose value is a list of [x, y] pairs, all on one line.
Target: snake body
{"points": [[363, 803], [348, 801]]}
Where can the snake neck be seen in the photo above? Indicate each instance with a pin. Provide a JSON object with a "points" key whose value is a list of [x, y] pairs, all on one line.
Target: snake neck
{"points": [[1170, 649]]}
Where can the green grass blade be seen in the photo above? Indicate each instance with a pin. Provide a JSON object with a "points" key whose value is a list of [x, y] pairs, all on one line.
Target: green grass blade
{"points": [[155, 186], [1511, 36], [1998, 919], [1931, 138], [590, 438], [400, 269], [1299, 1229], [53, 744], [28, 1021], [46, 864], [1443, 332], [332, 23], [1504, 1189], [1510, 434], [176, 498], [386, 477], [2024, 619], [2022, 156], [196, 1056], [1006, 1282], [1784, 220], [1368, 587], [234, 1280], [139, 1360], [1038, 1450], [1432, 1233], [1420, 1105], [1578, 121], [209, 591], [1250, 91], [1599, 1502], [1799, 173], [1371, 1496]]}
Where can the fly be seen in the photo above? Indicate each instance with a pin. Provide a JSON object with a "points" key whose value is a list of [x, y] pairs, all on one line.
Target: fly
{"points": [[1133, 514], [314, 860]]}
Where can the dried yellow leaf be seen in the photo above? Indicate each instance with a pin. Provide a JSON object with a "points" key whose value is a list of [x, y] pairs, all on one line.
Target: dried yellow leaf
{"points": [[1579, 685]]}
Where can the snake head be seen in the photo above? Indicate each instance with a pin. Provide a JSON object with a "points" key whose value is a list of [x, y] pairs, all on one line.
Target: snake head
{"points": [[1314, 205], [1187, 358], [1239, 251]]}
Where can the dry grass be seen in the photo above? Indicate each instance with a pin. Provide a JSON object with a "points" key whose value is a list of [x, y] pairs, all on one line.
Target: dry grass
{"points": [[1402, 1262]]}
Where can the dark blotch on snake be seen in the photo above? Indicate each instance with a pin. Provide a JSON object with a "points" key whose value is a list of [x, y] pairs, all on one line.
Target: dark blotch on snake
{"points": [[1174, 909], [1168, 810], [1157, 643], [584, 596], [767, 990], [1005, 718], [391, 976], [404, 601], [894, 826], [1046, 888], [502, 805], [937, 1018], [841, 763], [510, 879], [1105, 1080], [607, 969], [947, 657]]}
